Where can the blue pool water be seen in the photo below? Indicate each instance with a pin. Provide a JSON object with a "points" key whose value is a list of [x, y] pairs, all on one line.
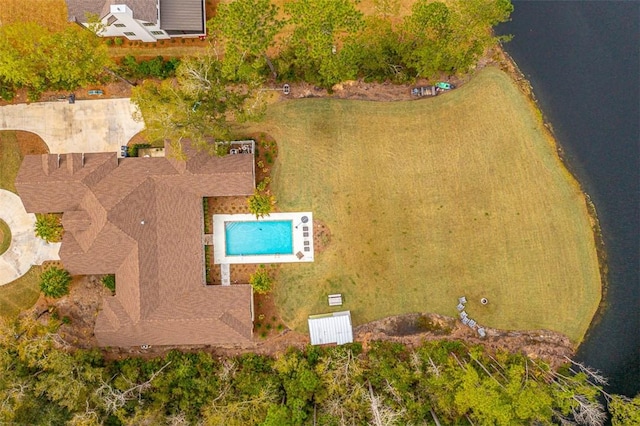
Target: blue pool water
{"points": [[258, 237]]}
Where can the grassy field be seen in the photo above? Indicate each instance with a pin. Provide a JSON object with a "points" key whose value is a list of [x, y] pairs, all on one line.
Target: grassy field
{"points": [[22, 293], [431, 200]]}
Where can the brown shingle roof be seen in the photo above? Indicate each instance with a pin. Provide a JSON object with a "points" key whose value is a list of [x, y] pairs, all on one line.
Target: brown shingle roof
{"points": [[142, 219]]}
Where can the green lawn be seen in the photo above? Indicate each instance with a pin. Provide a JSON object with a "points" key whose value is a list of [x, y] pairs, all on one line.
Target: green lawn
{"points": [[433, 199], [22, 293]]}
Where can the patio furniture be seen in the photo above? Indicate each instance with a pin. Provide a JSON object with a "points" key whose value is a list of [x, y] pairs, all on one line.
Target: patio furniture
{"points": [[233, 151], [482, 332], [463, 314], [462, 300], [335, 300], [460, 307]]}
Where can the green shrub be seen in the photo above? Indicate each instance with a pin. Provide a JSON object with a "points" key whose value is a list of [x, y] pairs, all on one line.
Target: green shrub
{"points": [[132, 151], [54, 282], [7, 91], [156, 67], [109, 282], [118, 41], [49, 228], [261, 281], [263, 184], [261, 204]]}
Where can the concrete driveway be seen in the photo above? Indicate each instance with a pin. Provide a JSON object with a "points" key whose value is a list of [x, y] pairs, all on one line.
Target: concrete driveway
{"points": [[26, 249], [86, 126]]}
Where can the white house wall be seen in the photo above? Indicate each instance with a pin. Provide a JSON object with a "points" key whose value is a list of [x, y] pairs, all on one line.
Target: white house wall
{"points": [[124, 16]]}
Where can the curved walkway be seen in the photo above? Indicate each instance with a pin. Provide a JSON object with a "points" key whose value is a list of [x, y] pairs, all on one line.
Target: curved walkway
{"points": [[26, 249], [101, 125]]}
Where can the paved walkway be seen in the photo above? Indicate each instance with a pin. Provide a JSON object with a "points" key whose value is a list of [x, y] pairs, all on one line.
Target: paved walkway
{"points": [[87, 126], [26, 249]]}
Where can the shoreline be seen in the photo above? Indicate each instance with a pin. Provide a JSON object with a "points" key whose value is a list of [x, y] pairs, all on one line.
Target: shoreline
{"points": [[509, 66]]}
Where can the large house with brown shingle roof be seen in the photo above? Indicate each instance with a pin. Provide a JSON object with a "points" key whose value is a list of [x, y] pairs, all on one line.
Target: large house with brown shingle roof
{"points": [[142, 219], [144, 20]]}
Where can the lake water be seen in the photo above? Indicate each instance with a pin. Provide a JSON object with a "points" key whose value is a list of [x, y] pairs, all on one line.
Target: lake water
{"points": [[582, 59]]}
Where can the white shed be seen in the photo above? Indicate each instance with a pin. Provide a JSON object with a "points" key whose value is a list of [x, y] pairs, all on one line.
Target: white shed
{"points": [[331, 328]]}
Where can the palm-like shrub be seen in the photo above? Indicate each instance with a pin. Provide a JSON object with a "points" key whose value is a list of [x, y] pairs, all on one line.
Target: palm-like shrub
{"points": [[54, 282], [49, 228], [261, 281], [261, 204]]}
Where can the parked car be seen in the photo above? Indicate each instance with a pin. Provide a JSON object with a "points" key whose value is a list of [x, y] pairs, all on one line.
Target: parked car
{"points": [[424, 91], [96, 92], [442, 85]]}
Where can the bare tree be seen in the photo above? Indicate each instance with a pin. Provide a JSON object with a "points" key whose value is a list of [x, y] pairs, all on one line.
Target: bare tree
{"points": [[115, 399], [587, 412]]}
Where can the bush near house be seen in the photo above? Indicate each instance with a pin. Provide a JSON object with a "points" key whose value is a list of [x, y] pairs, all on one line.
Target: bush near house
{"points": [[132, 151], [157, 67], [49, 228], [261, 204], [261, 281], [54, 282], [109, 282]]}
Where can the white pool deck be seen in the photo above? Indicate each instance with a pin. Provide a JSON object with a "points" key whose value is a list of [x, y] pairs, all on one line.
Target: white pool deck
{"points": [[302, 239]]}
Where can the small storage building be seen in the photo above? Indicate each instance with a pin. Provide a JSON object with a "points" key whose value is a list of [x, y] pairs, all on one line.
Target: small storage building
{"points": [[331, 328]]}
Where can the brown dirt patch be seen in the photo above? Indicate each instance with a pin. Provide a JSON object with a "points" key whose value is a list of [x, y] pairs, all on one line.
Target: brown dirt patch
{"points": [[413, 329], [77, 310], [30, 143]]}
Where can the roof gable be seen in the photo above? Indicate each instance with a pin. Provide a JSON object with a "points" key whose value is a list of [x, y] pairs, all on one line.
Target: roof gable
{"points": [[142, 219]]}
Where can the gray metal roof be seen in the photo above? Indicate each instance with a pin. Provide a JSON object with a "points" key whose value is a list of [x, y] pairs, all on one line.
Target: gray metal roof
{"points": [[331, 328], [182, 15], [144, 10]]}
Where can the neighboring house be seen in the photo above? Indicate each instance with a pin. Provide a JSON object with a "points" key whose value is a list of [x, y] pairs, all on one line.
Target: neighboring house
{"points": [[142, 219], [145, 20]]}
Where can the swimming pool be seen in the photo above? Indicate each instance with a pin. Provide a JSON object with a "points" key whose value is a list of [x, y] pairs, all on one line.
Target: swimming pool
{"points": [[250, 238], [278, 238]]}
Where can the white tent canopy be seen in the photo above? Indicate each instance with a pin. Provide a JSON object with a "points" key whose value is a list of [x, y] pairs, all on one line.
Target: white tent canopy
{"points": [[331, 328]]}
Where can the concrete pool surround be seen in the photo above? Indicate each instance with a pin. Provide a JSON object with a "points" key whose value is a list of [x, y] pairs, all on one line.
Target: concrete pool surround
{"points": [[301, 235]]}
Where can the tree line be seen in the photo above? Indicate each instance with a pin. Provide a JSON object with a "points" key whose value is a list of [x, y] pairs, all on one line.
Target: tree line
{"points": [[45, 381], [322, 42], [39, 59], [329, 41]]}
